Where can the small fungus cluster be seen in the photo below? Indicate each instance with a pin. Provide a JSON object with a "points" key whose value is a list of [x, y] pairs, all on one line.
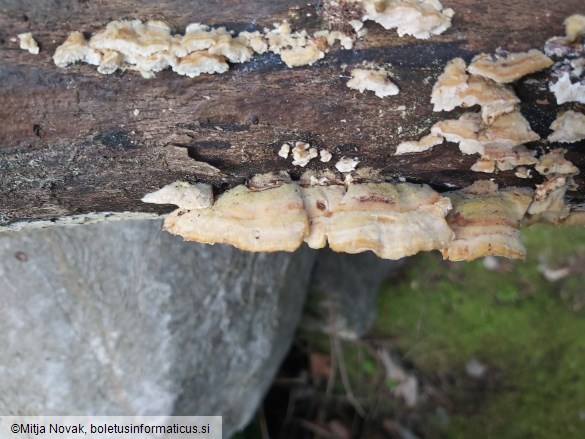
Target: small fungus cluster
{"points": [[374, 79], [151, 47], [303, 153], [498, 133]]}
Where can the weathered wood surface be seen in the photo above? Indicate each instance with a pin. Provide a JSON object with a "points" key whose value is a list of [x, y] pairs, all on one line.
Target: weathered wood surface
{"points": [[71, 144]]}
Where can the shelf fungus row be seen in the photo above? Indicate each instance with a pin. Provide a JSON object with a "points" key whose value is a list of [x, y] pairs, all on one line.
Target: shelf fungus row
{"points": [[151, 47], [393, 220]]}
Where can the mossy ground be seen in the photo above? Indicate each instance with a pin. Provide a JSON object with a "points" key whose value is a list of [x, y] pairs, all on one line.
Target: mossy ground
{"points": [[436, 316], [528, 331]]}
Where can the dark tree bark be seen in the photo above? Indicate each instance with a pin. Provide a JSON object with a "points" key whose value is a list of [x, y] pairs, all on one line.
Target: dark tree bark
{"points": [[70, 142]]}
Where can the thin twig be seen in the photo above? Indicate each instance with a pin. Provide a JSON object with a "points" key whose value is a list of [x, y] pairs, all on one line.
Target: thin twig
{"points": [[345, 378], [263, 424], [315, 429]]}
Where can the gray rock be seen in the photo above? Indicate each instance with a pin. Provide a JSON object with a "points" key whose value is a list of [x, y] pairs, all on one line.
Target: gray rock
{"points": [[344, 288], [121, 318]]}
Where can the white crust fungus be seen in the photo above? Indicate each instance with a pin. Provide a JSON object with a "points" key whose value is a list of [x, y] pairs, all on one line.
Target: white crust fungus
{"points": [[567, 91], [568, 127], [505, 67], [184, 195], [569, 70], [420, 18], [27, 42], [346, 164], [373, 80], [486, 222]]}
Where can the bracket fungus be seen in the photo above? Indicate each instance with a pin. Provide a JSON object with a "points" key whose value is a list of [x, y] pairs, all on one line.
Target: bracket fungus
{"points": [[273, 214], [372, 80], [346, 164], [554, 162], [472, 134], [568, 127], [27, 42], [549, 198], [419, 18], [250, 219], [184, 195], [505, 67], [424, 144], [486, 221], [392, 220], [76, 49], [456, 88]]}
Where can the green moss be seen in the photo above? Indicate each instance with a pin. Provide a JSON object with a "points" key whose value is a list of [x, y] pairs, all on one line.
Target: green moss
{"points": [[529, 332]]}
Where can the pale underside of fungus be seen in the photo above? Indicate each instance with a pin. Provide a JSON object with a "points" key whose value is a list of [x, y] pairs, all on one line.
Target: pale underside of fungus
{"points": [[486, 221], [568, 127], [372, 80], [27, 42], [392, 220], [505, 67], [419, 18]]}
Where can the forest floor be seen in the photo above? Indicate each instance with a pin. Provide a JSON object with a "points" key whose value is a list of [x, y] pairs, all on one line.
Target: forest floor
{"points": [[487, 349]]}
